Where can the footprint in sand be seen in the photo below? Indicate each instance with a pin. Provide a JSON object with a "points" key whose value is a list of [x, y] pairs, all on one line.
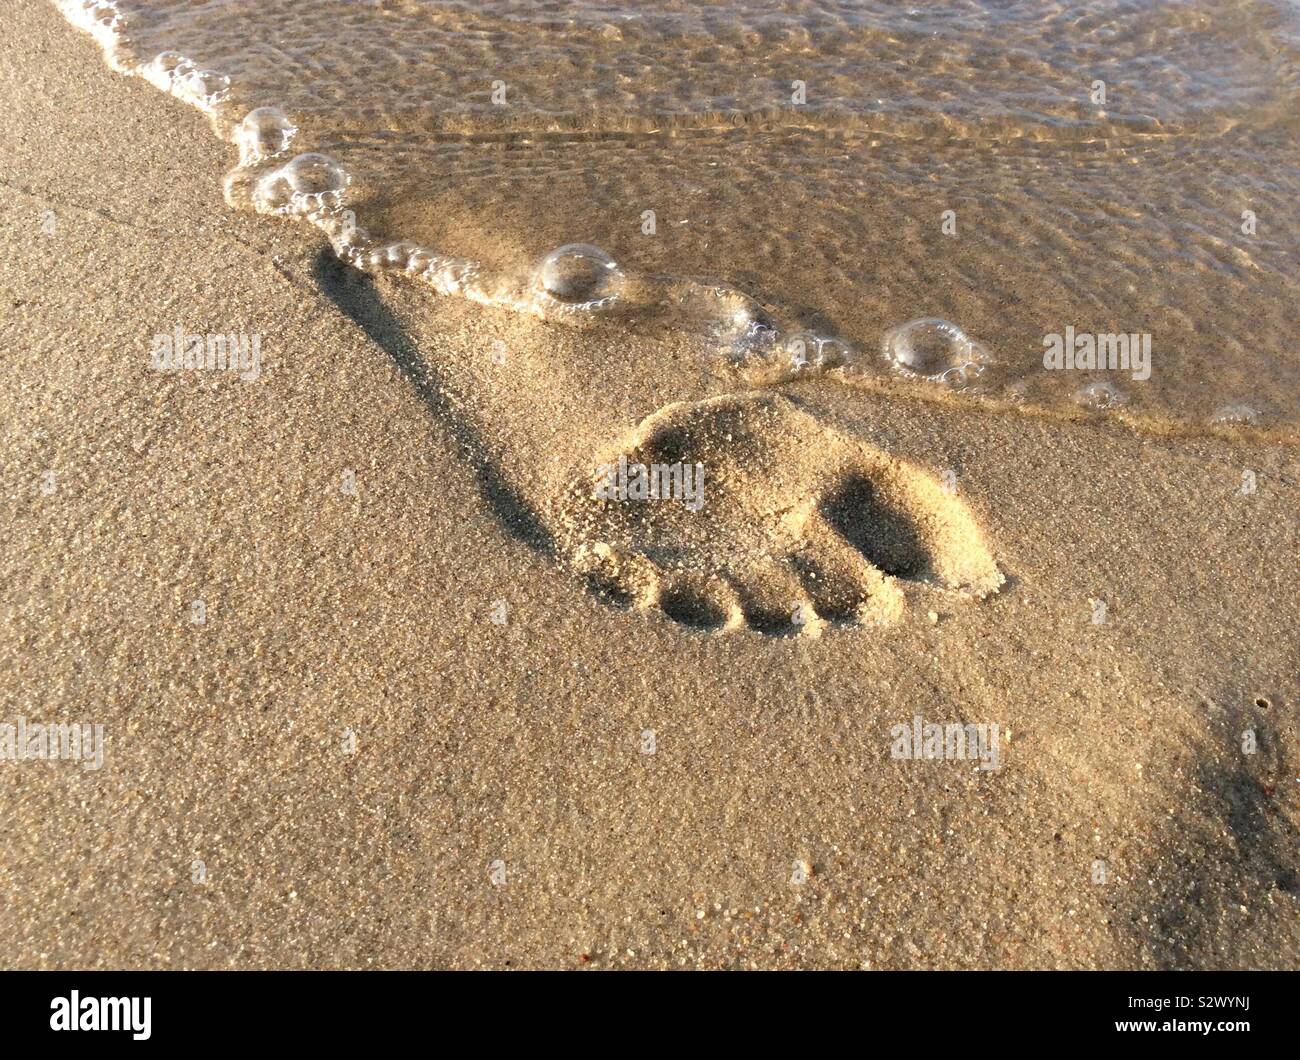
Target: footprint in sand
{"points": [[797, 526]]}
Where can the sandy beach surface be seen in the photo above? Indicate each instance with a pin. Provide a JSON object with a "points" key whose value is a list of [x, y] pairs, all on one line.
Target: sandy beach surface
{"points": [[400, 731]]}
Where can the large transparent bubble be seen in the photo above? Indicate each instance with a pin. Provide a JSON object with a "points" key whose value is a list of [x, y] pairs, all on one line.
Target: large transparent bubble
{"points": [[304, 184], [935, 350], [580, 276], [264, 133]]}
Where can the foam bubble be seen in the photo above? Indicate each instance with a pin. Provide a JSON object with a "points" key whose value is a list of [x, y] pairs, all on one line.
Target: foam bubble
{"points": [[102, 19], [393, 256], [446, 275], [580, 276], [1100, 396], [304, 184], [806, 351], [181, 77], [728, 318], [935, 350], [264, 133], [742, 320], [422, 259], [350, 241], [166, 69], [204, 88], [1237, 414]]}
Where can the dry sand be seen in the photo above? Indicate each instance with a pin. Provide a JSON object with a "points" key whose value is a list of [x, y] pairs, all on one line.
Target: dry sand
{"points": [[329, 613]]}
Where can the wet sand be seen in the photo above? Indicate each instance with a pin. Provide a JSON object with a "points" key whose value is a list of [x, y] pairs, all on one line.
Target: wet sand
{"points": [[349, 763]]}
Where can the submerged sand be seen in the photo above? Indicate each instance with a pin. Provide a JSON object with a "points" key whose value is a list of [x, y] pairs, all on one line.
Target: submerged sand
{"points": [[352, 762]]}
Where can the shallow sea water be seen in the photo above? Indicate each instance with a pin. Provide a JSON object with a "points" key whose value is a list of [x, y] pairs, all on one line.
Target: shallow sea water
{"points": [[795, 183]]}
